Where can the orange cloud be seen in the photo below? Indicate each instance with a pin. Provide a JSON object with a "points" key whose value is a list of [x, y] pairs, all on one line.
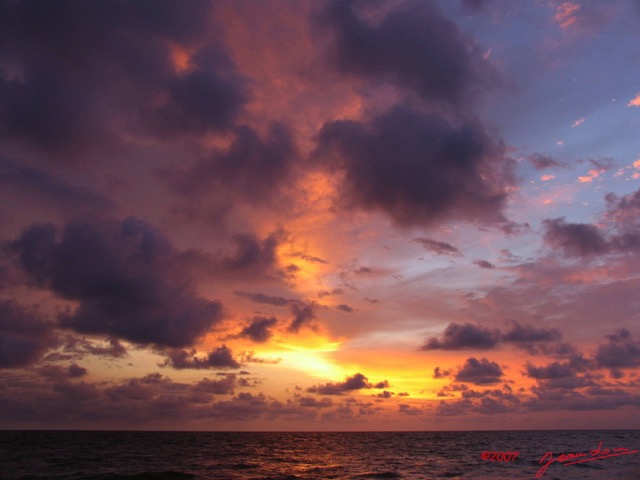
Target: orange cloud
{"points": [[565, 14], [635, 102], [546, 178], [593, 173], [578, 122]]}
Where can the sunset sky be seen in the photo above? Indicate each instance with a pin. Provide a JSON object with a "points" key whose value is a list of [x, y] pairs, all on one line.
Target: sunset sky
{"points": [[306, 215]]}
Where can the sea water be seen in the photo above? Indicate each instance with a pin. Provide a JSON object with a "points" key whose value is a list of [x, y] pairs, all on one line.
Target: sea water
{"points": [[78, 455]]}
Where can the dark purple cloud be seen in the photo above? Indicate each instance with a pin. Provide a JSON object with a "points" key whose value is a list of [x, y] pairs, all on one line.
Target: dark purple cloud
{"points": [[418, 167], [523, 334], [260, 329], [469, 336], [437, 247], [126, 276], [32, 184], [262, 298], [464, 336], [75, 85], [552, 371], [479, 372], [309, 258], [484, 264], [345, 308], [225, 385], [624, 211], [474, 6], [413, 46], [251, 168], [355, 382], [311, 402], [220, 357], [252, 254], [303, 314], [622, 351], [24, 335], [542, 162], [439, 373], [58, 372], [576, 239]]}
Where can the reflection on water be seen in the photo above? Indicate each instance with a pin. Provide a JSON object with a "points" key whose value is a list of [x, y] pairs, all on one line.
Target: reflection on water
{"points": [[243, 456]]}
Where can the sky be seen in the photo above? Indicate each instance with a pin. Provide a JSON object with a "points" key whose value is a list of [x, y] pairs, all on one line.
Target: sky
{"points": [[319, 215]]}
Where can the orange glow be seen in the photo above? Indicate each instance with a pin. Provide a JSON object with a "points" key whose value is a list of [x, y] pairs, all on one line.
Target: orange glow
{"points": [[565, 14], [311, 354], [546, 178], [634, 102], [181, 58], [578, 122], [590, 177]]}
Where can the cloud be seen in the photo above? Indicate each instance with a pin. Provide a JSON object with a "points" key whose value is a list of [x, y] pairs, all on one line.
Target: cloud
{"points": [[259, 329], [57, 372], [119, 76], [624, 211], [113, 349], [578, 122], [634, 102], [224, 386], [580, 239], [439, 248], [552, 371], [418, 167], [463, 336], [576, 239], [252, 254], [542, 162], [528, 334], [24, 335], [127, 278], [438, 373], [220, 357], [345, 308], [484, 264], [474, 6], [311, 402], [33, 184], [309, 258], [566, 14], [413, 46], [302, 315], [479, 372], [622, 351], [251, 168], [355, 382], [262, 298]]}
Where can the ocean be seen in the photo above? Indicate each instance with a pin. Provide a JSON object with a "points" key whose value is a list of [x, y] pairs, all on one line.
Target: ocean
{"points": [[79, 455]]}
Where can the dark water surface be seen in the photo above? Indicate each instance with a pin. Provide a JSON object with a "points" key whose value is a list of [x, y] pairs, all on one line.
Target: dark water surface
{"points": [[381, 455]]}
